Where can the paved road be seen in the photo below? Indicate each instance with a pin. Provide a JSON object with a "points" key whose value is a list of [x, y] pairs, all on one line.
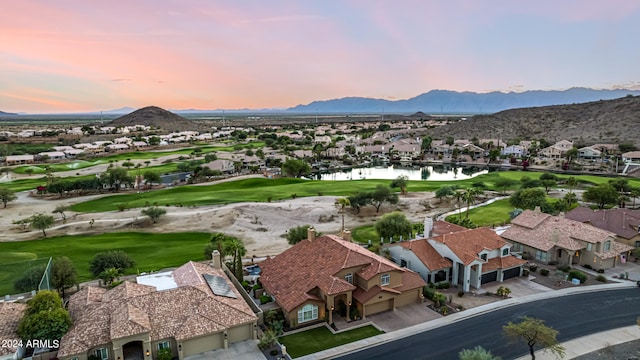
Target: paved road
{"points": [[572, 315]]}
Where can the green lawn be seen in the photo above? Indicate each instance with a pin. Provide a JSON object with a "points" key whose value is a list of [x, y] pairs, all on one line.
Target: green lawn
{"points": [[363, 234], [150, 251], [495, 213], [318, 339]]}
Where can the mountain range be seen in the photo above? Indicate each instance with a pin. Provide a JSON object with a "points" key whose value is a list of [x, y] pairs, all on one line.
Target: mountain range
{"points": [[453, 102]]}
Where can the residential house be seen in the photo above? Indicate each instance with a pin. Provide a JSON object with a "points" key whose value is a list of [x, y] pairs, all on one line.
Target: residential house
{"points": [[317, 276], [623, 222], [589, 153], [224, 165], [10, 315], [515, 150], [272, 172], [193, 309], [473, 150], [19, 159], [608, 149], [52, 155], [545, 238], [557, 150], [631, 156], [467, 258], [116, 147], [73, 153]]}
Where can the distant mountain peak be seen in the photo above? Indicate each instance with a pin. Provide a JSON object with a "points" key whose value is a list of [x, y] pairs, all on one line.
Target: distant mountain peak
{"points": [[157, 117]]}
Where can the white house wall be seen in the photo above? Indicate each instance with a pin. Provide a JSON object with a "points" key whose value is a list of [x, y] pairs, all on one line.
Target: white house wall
{"points": [[413, 263]]}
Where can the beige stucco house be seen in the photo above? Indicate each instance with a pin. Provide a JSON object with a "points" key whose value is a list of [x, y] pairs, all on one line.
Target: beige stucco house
{"points": [[625, 223], [194, 309], [546, 238]]}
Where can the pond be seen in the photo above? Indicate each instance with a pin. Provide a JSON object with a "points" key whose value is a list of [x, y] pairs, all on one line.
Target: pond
{"points": [[433, 173]]}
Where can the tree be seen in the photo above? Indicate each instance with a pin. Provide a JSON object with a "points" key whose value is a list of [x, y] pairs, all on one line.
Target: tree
{"points": [[504, 184], [128, 164], [60, 209], [154, 213], [548, 184], [236, 248], [571, 183], [359, 200], [110, 259], [601, 194], [470, 196], [63, 274], [394, 224], [296, 168], [41, 222], [7, 196], [343, 203], [30, 279], [110, 275], [534, 332], [477, 353], [297, 234], [494, 154], [400, 182], [528, 198], [151, 177], [381, 195], [444, 192], [426, 144], [449, 141], [634, 193], [116, 177], [459, 196], [45, 318]]}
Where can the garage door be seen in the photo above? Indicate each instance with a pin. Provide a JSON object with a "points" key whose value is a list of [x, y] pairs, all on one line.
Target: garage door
{"points": [[379, 307], [489, 277], [510, 273]]}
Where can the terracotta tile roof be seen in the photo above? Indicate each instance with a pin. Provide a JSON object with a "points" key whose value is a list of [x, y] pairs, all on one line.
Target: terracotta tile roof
{"points": [[504, 263], [185, 312], [427, 254], [467, 244], [442, 227], [622, 222], [293, 276], [550, 231], [10, 315]]}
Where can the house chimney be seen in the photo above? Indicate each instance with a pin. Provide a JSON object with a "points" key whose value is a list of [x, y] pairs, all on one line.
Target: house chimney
{"points": [[346, 234], [428, 226], [215, 257], [561, 215], [311, 233]]}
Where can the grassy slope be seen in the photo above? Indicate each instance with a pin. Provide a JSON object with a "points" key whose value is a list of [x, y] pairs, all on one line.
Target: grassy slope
{"points": [[318, 339], [150, 251]]}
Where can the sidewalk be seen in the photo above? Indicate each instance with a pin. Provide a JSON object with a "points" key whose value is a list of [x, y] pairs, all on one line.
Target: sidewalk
{"points": [[590, 343]]}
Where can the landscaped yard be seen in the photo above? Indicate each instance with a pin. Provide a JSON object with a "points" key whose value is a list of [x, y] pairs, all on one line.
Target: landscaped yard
{"points": [[151, 252], [496, 213], [318, 339]]}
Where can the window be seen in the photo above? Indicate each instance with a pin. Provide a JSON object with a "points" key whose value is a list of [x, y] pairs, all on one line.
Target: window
{"points": [[541, 256], [385, 279], [102, 353], [505, 251], [559, 253], [307, 313], [589, 247], [607, 245], [403, 263], [164, 345], [637, 243], [483, 257], [349, 278]]}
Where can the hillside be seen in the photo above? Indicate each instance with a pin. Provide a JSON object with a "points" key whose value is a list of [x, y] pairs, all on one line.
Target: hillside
{"points": [[594, 122], [156, 117], [450, 102], [2, 113]]}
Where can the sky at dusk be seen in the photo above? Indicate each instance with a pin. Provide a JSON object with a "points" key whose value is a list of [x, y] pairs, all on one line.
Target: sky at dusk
{"points": [[86, 55]]}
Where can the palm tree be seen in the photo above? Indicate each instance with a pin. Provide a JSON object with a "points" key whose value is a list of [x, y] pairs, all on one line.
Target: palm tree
{"points": [[459, 195], [343, 203], [469, 196], [634, 193], [237, 250], [571, 183]]}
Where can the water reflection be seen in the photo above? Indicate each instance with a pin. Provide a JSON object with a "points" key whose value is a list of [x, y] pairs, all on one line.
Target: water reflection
{"points": [[435, 173]]}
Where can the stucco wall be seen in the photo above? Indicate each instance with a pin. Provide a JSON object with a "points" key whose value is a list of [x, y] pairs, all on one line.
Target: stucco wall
{"points": [[202, 344]]}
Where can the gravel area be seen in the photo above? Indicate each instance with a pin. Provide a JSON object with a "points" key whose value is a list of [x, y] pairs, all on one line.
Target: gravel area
{"points": [[626, 351]]}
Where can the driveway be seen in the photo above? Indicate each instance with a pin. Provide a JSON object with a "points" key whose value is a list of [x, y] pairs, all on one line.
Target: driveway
{"points": [[403, 317]]}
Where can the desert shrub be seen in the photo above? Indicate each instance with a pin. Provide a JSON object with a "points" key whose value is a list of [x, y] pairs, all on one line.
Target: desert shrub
{"points": [[533, 268], [443, 285], [563, 268], [460, 293], [267, 340], [428, 292], [544, 272], [265, 299], [601, 278], [577, 274], [245, 285], [525, 272], [600, 271]]}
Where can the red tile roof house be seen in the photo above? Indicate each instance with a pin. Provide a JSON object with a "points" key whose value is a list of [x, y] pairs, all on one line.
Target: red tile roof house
{"points": [[312, 279], [199, 310], [467, 258], [547, 238], [624, 223]]}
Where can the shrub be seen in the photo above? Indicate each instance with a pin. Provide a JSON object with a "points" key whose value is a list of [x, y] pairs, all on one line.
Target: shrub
{"points": [[265, 299], [544, 272], [600, 271], [460, 293], [533, 267], [268, 338], [443, 285], [577, 274], [428, 292], [274, 352], [257, 286], [525, 272], [563, 268], [587, 266], [245, 285], [164, 354], [601, 278], [553, 263]]}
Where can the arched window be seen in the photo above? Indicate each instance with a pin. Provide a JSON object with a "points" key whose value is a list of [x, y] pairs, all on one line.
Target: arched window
{"points": [[307, 313]]}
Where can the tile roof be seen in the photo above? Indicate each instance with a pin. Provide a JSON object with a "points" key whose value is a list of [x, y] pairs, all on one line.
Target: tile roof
{"points": [[506, 262], [442, 227], [188, 311], [622, 222], [543, 231], [293, 276], [467, 244], [427, 254], [10, 315]]}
